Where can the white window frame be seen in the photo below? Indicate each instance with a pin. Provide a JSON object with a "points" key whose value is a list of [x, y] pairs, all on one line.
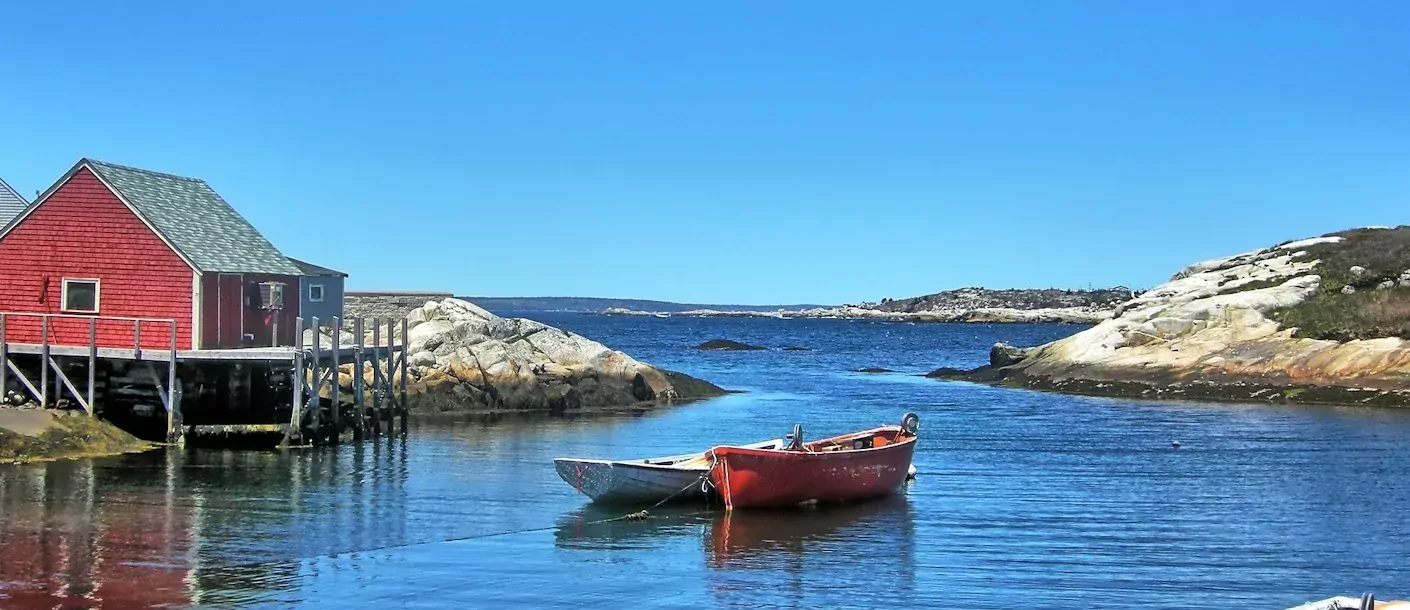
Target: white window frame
{"points": [[97, 295], [321, 291]]}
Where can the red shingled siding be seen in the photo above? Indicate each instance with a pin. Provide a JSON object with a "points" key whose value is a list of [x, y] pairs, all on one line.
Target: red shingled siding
{"points": [[84, 231]]}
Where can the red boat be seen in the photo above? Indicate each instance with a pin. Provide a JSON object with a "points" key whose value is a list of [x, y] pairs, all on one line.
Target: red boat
{"points": [[843, 468]]}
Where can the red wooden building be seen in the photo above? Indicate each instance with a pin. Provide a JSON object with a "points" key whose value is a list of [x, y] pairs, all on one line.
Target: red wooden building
{"points": [[120, 242]]}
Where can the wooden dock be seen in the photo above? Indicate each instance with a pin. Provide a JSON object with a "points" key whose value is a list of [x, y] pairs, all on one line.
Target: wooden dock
{"points": [[293, 390]]}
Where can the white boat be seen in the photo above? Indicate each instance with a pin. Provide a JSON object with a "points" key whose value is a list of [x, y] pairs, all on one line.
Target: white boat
{"points": [[643, 481]]}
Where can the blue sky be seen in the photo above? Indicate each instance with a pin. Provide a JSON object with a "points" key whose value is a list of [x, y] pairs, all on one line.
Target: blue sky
{"points": [[734, 151]]}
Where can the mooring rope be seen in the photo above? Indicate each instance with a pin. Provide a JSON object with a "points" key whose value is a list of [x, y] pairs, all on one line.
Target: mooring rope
{"points": [[640, 515]]}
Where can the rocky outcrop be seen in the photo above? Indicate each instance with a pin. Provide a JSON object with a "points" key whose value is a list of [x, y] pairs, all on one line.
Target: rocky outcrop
{"points": [[28, 435], [465, 359], [1003, 354], [1212, 333], [726, 344]]}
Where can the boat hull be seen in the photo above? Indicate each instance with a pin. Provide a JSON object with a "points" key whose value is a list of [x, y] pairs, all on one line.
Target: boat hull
{"points": [[627, 483], [752, 478]]}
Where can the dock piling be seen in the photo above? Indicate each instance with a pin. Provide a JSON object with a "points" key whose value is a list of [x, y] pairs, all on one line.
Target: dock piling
{"points": [[44, 363], [377, 418], [336, 410], [172, 421], [404, 356], [315, 398], [92, 364], [4, 358], [296, 418], [359, 408]]}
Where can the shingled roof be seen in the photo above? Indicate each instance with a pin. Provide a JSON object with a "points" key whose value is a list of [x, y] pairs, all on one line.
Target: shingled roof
{"points": [[11, 203], [311, 269], [195, 220]]}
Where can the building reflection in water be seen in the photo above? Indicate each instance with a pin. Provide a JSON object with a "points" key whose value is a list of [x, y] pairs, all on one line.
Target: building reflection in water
{"points": [[191, 527]]}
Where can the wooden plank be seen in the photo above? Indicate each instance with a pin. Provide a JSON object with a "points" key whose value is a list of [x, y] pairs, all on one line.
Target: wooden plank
{"points": [[33, 391], [64, 379], [161, 391]]}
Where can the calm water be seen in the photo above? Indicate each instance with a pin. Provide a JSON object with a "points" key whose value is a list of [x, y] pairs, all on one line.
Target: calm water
{"points": [[1024, 499]]}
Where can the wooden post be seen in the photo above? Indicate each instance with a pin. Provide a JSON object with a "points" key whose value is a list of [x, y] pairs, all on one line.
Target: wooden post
{"points": [[296, 418], [390, 403], [171, 424], [92, 363], [404, 373], [137, 339], [376, 375], [316, 395], [359, 411], [4, 359], [337, 411], [44, 362]]}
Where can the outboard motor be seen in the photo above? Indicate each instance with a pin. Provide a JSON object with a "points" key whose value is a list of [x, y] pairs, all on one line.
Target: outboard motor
{"points": [[910, 423], [795, 440]]}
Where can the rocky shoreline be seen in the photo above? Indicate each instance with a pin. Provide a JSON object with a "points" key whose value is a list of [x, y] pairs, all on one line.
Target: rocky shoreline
{"points": [[465, 360], [991, 315], [1213, 333]]}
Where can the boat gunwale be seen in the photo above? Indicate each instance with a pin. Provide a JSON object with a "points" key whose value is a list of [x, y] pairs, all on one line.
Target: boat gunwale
{"points": [[648, 462], [781, 452]]}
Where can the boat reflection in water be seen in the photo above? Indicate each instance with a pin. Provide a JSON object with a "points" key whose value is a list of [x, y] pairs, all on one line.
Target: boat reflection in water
{"points": [[807, 555], [804, 555]]}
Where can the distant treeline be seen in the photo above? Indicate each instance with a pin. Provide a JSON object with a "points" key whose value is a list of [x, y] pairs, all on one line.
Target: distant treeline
{"points": [[594, 305]]}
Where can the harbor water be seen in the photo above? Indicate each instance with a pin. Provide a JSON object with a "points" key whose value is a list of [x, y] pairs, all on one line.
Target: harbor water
{"points": [[1023, 499]]}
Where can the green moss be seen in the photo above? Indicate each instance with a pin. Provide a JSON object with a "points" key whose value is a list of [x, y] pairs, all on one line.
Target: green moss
{"points": [[1293, 393], [74, 436]]}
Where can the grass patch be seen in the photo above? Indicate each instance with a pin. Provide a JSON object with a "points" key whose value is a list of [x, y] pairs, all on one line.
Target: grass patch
{"points": [[1384, 253], [1368, 313]]}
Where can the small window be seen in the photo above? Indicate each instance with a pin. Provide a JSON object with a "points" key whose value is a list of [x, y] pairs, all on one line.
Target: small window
{"points": [[80, 295], [315, 293]]}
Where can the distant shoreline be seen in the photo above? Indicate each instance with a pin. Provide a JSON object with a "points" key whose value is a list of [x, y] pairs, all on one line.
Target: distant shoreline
{"points": [[991, 315]]}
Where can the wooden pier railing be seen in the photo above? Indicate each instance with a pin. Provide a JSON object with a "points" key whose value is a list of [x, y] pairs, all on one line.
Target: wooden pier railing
{"points": [[34, 346], [388, 384], [51, 336]]}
